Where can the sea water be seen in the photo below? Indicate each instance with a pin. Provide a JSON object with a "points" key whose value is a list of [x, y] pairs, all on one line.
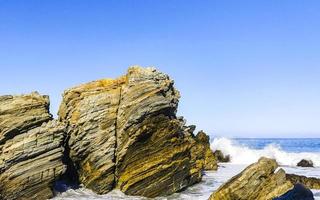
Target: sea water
{"points": [[243, 151]]}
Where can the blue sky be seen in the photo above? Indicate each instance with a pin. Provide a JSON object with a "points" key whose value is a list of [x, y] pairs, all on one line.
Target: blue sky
{"points": [[244, 68]]}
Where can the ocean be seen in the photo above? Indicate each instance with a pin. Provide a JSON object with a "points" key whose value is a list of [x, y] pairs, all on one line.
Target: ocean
{"points": [[243, 151]]}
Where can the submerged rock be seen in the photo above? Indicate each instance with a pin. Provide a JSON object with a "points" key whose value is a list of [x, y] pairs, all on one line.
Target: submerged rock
{"points": [[221, 157], [310, 182], [299, 192], [305, 163], [31, 147], [258, 181], [124, 134]]}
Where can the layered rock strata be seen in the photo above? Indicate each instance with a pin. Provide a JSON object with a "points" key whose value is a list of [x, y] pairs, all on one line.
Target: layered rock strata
{"points": [[258, 181], [310, 182], [205, 153], [124, 134], [31, 147]]}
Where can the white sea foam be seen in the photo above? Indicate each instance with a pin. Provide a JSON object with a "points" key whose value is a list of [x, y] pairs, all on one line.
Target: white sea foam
{"points": [[241, 154]]}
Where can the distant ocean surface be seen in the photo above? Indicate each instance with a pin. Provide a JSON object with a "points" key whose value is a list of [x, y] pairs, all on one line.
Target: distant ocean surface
{"points": [[243, 151]]}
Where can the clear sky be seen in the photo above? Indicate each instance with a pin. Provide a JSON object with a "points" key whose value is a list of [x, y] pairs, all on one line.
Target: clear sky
{"points": [[244, 68]]}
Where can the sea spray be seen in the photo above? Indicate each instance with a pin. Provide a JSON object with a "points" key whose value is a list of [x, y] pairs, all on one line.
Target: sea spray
{"points": [[242, 154]]}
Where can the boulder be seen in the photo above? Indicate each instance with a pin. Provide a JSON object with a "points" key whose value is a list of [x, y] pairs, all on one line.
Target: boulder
{"points": [[310, 182], [305, 163], [221, 157], [258, 181], [299, 192], [124, 133], [31, 147]]}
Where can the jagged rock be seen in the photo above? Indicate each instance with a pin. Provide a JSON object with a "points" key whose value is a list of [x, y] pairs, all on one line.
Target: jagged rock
{"points": [[202, 157], [91, 112], [210, 162], [299, 192], [305, 163], [19, 114], [31, 147], [259, 181], [221, 157], [124, 133], [310, 182]]}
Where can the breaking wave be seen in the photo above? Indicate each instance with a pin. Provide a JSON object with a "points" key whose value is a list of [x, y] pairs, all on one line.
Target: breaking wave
{"points": [[242, 154]]}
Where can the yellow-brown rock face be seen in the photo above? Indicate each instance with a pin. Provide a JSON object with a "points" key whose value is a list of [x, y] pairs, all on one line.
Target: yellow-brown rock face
{"points": [[124, 133], [31, 147], [259, 181]]}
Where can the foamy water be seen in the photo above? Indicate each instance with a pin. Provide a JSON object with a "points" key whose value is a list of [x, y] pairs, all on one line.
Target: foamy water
{"points": [[241, 156]]}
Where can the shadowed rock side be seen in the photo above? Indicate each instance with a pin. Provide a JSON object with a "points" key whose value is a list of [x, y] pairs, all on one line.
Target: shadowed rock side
{"points": [[259, 181], [124, 134], [31, 147]]}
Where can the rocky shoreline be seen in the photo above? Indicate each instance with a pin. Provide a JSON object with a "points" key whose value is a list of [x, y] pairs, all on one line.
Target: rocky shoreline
{"points": [[117, 134]]}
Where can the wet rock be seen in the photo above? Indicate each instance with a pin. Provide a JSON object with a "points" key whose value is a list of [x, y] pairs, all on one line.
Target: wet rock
{"points": [[305, 163], [221, 157], [299, 192], [310, 182], [124, 133], [31, 147], [258, 181]]}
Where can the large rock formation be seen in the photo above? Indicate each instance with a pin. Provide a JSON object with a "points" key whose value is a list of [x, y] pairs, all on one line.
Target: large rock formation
{"points": [[124, 133], [31, 147], [259, 181]]}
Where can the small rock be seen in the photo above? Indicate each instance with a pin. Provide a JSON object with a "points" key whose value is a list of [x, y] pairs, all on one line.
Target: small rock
{"points": [[220, 157], [305, 163]]}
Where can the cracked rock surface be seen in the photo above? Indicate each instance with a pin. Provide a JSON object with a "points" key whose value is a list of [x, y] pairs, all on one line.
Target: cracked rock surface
{"points": [[31, 147], [124, 133]]}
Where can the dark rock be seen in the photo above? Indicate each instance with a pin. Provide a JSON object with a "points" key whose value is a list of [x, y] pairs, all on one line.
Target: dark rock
{"points": [[305, 163], [220, 157], [299, 192]]}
